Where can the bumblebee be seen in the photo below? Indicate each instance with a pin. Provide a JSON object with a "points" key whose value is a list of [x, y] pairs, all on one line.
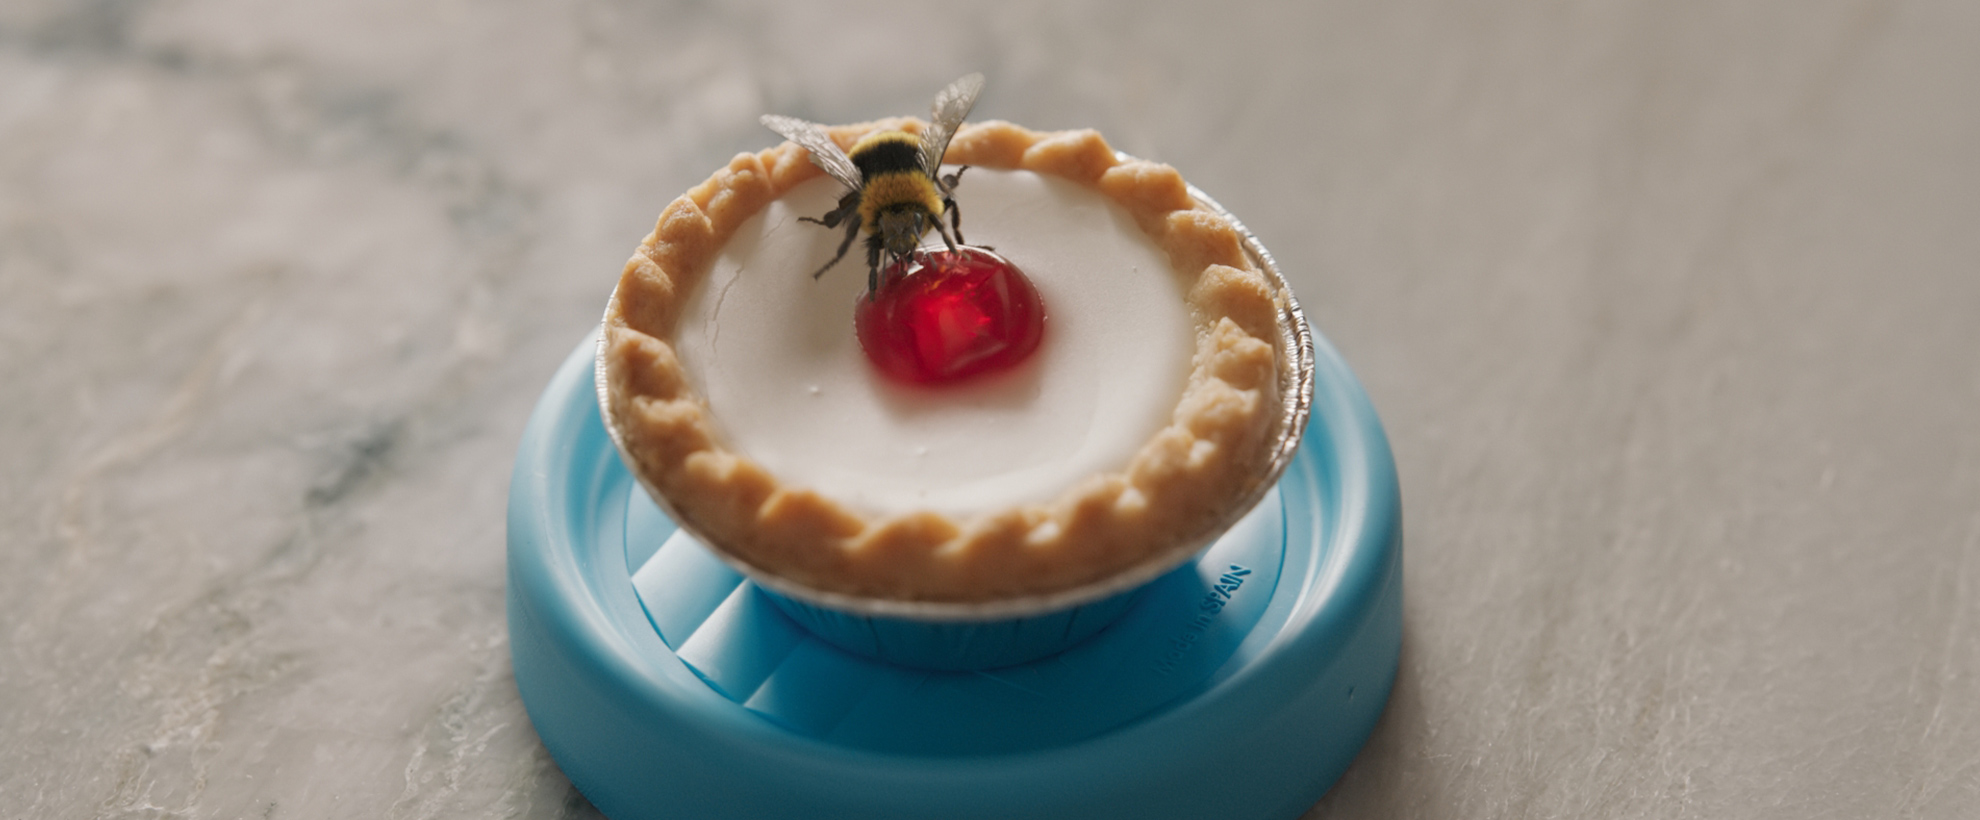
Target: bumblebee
{"points": [[895, 190]]}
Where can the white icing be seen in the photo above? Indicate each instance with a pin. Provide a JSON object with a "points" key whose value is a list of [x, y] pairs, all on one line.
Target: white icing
{"points": [[774, 353]]}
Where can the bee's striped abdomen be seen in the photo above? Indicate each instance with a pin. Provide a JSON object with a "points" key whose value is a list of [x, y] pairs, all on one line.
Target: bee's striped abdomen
{"points": [[891, 163], [887, 152]]}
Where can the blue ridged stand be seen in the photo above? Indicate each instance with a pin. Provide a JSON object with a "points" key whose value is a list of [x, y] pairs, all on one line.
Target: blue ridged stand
{"points": [[1240, 685]]}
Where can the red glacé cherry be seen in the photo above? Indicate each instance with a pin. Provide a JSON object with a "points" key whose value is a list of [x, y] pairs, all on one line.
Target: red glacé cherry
{"points": [[949, 316]]}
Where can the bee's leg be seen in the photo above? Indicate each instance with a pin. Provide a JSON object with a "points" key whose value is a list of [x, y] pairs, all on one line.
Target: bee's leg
{"points": [[951, 239], [852, 230], [955, 219], [873, 245], [949, 184], [848, 205], [950, 181]]}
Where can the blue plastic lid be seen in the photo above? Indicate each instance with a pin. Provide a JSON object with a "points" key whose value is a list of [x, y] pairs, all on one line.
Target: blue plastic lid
{"points": [[1240, 685]]}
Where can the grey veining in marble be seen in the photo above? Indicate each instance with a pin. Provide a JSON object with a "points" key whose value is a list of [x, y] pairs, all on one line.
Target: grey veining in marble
{"points": [[1672, 311]]}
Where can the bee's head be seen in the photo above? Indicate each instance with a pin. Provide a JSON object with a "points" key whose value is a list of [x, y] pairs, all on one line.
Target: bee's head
{"points": [[901, 229]]}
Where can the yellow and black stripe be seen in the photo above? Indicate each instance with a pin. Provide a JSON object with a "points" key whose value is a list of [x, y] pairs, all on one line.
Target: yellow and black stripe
{"points": [[890, 161]]}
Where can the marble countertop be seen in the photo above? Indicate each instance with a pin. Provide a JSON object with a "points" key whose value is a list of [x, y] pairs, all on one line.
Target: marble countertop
{"points": [[1672, 312]]}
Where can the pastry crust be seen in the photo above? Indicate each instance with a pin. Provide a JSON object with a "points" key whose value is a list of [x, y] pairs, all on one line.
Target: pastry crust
{"points": [[1184, 479]]}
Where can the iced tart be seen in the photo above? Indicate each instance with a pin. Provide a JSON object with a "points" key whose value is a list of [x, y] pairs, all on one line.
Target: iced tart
{"points": [[1149, 412]]}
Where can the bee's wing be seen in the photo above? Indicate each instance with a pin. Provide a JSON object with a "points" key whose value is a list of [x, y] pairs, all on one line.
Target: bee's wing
{"points": [[951, 107], [825, 153]]}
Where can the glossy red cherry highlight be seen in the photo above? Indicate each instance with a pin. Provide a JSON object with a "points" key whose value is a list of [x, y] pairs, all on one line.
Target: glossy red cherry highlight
{"points": [[948, 316]]}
